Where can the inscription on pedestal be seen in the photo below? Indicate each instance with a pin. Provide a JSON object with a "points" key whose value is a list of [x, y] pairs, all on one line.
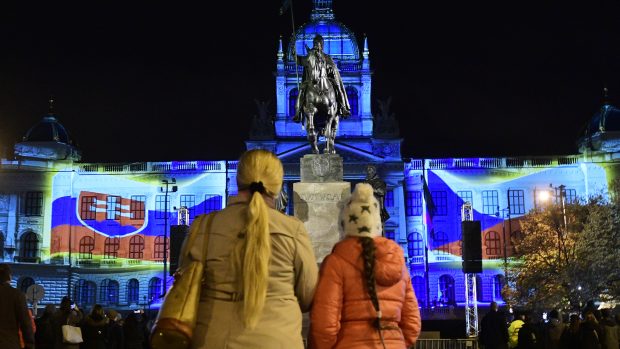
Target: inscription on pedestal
{"points": [[318, 205]]}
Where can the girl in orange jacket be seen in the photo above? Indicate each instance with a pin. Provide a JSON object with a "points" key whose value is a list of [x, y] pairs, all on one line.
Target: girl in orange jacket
{"points": [[364, 298]]}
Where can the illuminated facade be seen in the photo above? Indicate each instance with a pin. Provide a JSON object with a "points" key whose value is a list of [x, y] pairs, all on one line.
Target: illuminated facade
{"points": [[96, 231]]}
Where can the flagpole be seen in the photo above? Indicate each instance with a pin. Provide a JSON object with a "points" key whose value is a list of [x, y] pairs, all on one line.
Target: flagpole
{"points": [[425, 215], [294, 48]]}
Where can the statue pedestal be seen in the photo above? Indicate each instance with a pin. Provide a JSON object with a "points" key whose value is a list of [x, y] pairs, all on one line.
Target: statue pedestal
{"points": [[318, 199]]}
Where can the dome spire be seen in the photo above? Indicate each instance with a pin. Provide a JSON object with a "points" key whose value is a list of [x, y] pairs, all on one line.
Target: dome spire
{"points": [[606, 96], [51, 106], [280, 52], [322, 10]]}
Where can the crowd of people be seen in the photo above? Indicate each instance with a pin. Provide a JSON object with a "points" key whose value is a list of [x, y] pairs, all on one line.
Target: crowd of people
{"points": [[590, 329], [260, 275], [99, 329]]}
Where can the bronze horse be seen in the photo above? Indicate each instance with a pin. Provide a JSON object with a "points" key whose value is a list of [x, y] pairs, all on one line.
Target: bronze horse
{"points": [[322, 97]]}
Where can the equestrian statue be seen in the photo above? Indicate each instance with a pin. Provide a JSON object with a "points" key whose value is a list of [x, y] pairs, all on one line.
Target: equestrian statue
{"points": [[322, 98]]}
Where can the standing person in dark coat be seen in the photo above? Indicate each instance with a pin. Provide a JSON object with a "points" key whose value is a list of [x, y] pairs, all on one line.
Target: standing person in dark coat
{"points": [[494, 329], [529, 338], [591, 334], [115, 330], [571, 337], [553, 330], [13, 314], [44, 335], [611, 330], [65, 316], [132, 330], [95, 329]]}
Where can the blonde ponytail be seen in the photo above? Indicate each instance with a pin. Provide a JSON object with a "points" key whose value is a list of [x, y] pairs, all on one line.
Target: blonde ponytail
{"points": [[261, 171]]}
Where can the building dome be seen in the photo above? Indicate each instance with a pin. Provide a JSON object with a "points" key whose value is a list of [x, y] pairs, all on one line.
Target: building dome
{"points": [[48, 130], [48, 139], [340, 42], [607, 119], [602, 133]]}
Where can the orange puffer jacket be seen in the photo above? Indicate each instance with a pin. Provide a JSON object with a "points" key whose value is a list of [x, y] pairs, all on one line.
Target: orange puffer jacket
{"points": [[342, 312]]}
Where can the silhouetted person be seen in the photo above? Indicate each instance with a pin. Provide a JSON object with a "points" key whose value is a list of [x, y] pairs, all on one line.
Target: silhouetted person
{"points": [[611, 330], [65, 316], [13, 314], [591, 334], [553, 331], [528, 337], [494, 331], [44, 335], [95, 329]]}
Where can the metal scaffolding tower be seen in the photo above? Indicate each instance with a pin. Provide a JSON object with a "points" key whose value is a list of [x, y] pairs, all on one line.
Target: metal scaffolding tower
{"points": [[471, 301]]}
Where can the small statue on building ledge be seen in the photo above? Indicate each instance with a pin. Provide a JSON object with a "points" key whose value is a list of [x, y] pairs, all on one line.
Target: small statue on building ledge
{"points": [[379, 189]]}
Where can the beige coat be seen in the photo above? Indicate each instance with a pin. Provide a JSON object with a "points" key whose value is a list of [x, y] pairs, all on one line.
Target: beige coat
{"points": [[293, 276]]}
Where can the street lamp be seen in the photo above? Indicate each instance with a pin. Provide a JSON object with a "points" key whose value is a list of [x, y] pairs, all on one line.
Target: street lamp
{"points": [[168, 186], [546, 196]]}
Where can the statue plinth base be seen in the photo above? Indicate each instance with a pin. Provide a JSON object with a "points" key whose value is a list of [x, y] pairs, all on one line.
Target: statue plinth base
{"points": [[321, 168], [318, 199]]}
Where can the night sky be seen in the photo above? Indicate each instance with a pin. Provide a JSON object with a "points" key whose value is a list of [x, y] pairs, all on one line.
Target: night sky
{"points": [[148, 81]]}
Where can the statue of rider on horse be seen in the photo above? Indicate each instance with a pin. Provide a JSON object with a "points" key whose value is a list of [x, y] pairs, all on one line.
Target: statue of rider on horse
{"points": [[321, 95]]}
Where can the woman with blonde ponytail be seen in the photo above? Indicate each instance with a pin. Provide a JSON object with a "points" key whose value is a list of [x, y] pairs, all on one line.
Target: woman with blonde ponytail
{"points": [[260, 269], [364, 298]]}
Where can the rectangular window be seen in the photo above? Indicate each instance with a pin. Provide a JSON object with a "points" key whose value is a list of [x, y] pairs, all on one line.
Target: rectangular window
{"points": [[463, 197], [113, 207], [88, 207], [34, 203], [212, 203], [413, 206], [137, 206], [516, 200], [161, 206], [490, 202], [389, 198], [570, 195], [440, 199], [189, 201], [390, 234]]}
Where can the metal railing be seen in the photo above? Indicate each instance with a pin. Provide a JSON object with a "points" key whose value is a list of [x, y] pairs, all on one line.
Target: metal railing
{"points": [[446, 344]]}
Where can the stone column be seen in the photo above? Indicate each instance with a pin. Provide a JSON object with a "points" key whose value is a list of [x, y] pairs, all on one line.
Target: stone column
{"points": [[318, 199]]}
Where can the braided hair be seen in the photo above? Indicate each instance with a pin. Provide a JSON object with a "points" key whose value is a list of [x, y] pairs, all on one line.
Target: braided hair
{"points": [[368, 254]]}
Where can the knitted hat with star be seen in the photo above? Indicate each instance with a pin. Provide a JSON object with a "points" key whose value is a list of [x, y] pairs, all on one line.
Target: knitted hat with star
{"points": [[360, 216]]}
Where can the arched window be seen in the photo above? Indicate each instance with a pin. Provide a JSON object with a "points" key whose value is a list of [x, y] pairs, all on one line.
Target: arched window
{"points": [[353, 100], [442, 246], [158, 252], [136, 247], [479, 294], [110, 248], [133, 291], [30, 245], [155, 291], [87, 245], [108, 292], [25, 283], [419, 287], [415, 245], [292, 99], [498, 284], [446, 290], [492, 243], [85, 293]]}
